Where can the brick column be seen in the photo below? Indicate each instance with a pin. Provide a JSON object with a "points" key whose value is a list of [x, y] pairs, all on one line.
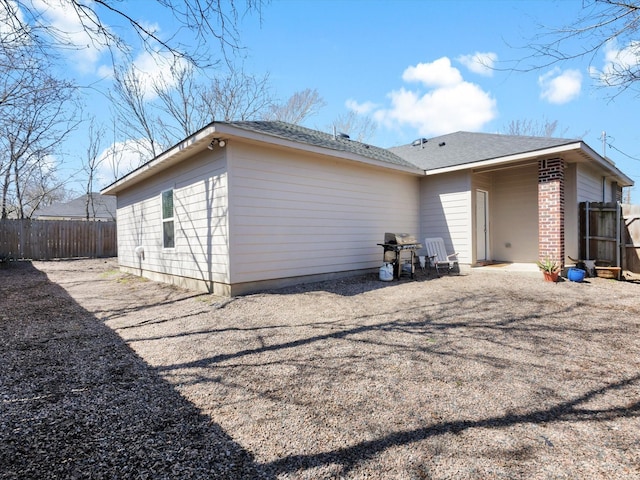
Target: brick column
{"points": [[551, 209]]}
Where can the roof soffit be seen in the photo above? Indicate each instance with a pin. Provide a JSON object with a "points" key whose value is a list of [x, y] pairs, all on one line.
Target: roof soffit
{"points": [[576, 152]]}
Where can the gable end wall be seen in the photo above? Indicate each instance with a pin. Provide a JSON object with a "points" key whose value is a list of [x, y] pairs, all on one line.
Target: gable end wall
{"points": [[200, 256]]}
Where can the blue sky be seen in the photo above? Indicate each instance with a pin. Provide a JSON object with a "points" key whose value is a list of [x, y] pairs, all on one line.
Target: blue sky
{"points": [[409, 61], [416, 68]]}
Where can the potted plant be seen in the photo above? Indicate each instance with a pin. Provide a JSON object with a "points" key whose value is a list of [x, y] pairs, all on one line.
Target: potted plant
{"points": [[550, 269]]}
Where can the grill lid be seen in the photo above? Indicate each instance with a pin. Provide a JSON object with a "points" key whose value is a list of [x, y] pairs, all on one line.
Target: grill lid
{"points": [[399, 239]]}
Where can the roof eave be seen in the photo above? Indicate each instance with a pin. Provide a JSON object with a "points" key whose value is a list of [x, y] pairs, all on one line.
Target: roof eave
{"points": [[194, 143], [265, 138], [579, 146], [507, 159], [198, 142], [622, 179]]}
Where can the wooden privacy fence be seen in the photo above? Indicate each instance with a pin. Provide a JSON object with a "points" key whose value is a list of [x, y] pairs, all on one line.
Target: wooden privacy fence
{"points": [[631, 237], [610, 234], [49, 239]]}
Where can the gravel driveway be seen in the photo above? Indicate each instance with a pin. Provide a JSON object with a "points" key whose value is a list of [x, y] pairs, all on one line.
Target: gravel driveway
{"points": [[489, 375]]}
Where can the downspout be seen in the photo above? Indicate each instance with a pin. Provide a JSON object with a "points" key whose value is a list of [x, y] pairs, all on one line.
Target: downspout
{"points": [[618, 234], [586, 233]]}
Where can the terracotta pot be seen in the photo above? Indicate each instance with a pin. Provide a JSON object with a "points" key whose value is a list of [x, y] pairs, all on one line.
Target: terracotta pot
{"points": [[550, 277]]}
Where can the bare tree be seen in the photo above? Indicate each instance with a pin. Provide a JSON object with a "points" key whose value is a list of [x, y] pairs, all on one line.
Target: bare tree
{"points": [[136, 120], [180, 99], [95, 136], [300, 106], [156, 115], [188, 102], [37, 112], [42, 188], [358, 127], [237, 96], [601, 25], [111, 25], [533, 128]]}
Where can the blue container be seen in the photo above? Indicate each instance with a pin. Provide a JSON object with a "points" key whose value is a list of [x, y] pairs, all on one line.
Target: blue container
{"points": [[575, 274]]}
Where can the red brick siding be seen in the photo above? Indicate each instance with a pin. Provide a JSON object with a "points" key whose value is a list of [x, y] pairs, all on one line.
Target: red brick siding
{"points": [[551, 209]]}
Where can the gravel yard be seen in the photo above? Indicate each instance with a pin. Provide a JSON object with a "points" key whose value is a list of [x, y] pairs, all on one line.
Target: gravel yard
{"points": [[488, 375]]}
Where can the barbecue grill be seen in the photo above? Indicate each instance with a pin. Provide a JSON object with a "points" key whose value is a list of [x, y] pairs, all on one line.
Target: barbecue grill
{"points": [[399, 249]]}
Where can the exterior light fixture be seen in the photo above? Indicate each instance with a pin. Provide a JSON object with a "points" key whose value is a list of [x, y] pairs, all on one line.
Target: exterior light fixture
{"points": [[219, 141]]}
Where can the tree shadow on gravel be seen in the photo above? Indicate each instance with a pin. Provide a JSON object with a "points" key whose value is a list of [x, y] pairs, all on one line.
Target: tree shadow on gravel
{"points": [[77, 402], [351, 285], [427, 326], [350, 457]]}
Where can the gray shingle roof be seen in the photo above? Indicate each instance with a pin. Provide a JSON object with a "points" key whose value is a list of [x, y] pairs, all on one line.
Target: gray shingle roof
{"points": [[104, 206], [460, 149], [463, 148], [308, 136]]}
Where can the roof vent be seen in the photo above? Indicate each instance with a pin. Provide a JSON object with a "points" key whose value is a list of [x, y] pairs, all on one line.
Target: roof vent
{"points": [[343, 135], [419, 141], [441, 144]]}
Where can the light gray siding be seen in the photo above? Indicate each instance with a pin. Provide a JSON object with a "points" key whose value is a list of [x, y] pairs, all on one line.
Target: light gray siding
{"points": [[295, 214], [589, 185], [514, 212], [445, 202], [571, 246], [200, 216]]}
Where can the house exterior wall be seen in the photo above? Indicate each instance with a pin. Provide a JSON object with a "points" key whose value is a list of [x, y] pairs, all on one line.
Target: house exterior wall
{"points": [[514, 214], [296, 215], [513, 200], [257, 214], [446, 211], [200, 257], [571, 241], [593, 187]]}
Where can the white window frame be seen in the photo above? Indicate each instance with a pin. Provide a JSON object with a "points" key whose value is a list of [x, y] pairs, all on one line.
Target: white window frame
{"points": [[168, 219]]}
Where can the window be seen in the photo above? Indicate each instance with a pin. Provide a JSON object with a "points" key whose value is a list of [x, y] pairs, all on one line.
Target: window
{"points": [[168, 231]]}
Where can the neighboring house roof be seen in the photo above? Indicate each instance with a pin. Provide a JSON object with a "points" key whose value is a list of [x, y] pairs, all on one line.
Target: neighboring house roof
{"points": [[103, 208], [462, 150]]}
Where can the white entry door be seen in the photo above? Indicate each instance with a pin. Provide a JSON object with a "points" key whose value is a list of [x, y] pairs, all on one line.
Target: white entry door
{"points": [[482, 225]]}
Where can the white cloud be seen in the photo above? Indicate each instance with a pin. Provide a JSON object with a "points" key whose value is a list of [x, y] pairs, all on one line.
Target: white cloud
{"points": [[76, 29], [438, 73], [118, 160], [618, 63], [449, 103], [460, 107], [480, 63], [7, 28], [560, 87], [105, 71], [73, 26], [360, 108], [153, 69]]}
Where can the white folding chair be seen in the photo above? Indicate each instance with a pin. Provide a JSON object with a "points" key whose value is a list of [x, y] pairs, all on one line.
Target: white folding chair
{"points": [[439, 258]]}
